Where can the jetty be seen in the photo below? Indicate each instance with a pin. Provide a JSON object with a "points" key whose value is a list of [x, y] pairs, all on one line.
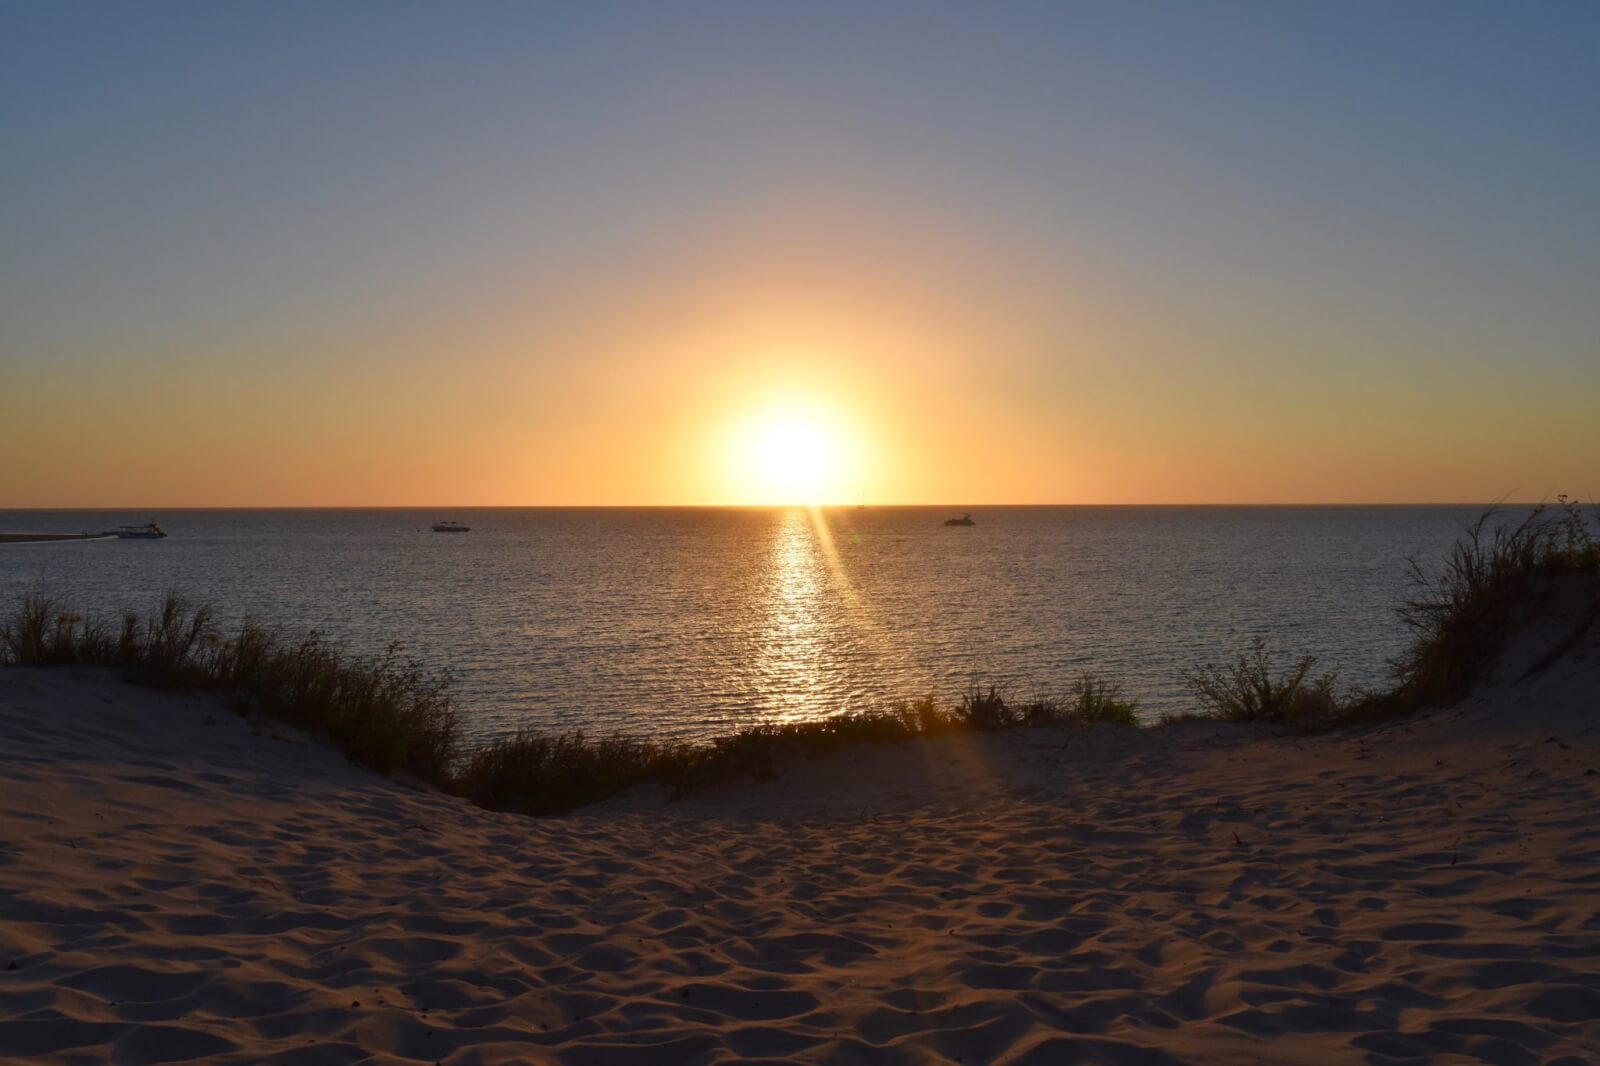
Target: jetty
{"points": [[30, 538]]}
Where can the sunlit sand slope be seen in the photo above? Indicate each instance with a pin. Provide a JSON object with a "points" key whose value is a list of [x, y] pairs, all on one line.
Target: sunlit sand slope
{"points": [[174, 886]]}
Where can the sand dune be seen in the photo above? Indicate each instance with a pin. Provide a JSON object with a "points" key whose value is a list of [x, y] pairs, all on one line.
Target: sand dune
{"points": [[175, 886]]}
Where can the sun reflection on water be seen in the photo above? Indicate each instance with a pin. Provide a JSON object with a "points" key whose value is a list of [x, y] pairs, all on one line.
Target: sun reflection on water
{"points": [[801, 621], [819, 634], [820, 629]]}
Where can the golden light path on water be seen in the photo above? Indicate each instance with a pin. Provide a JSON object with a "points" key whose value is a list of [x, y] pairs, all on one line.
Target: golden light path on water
{"points": [[797, 637], [808, 571], [816, 612]]}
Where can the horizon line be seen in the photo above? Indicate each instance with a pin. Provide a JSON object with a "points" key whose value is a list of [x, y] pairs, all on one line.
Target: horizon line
{"points": [[762, 506]]}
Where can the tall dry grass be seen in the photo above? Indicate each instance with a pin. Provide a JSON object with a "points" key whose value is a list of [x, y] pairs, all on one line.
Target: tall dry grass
{"points": [[1461, 618], [386, 712]]}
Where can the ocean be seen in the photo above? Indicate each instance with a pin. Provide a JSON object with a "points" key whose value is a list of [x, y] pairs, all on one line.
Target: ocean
{"points": [[689, 622]]}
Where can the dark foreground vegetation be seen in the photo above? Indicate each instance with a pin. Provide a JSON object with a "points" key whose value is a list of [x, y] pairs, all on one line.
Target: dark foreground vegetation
{"points": [[382, 711], [389, 713], [535, 772], [1493, 577]]}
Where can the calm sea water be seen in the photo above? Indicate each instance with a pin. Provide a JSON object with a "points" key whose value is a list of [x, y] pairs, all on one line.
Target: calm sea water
{"points": [[689, 622]]}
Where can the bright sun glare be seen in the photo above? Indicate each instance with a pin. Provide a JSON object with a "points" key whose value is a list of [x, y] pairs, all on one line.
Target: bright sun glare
{"points": [[790, 458], [794, 460]]}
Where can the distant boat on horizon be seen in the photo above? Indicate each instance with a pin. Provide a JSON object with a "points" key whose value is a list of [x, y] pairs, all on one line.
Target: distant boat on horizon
{"points": [[964, 520], [148, 531], [451, 527]]}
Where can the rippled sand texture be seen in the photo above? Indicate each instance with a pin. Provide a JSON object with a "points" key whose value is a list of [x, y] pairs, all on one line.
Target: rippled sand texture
{"points": [[172, 886]]}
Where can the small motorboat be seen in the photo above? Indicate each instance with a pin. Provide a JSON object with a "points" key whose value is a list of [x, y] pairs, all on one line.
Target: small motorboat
{"points": [[451, 527], [964, 520], [148, 531]]}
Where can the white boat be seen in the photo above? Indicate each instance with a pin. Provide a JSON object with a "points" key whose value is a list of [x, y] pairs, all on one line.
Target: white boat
{"points": [[148, 531], [451, 527]]}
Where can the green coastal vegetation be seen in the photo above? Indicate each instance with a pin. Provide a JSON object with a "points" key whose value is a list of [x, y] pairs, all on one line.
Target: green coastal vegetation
{"points": [[394, 715]]}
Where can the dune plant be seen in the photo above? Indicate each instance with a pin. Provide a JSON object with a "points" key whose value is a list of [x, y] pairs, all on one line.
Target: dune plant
{"points": [[1252, 689], [985, 710], [1459, 618], [384, 711], [173, 643], [1096, 701], [37, 634], [533, 773]]}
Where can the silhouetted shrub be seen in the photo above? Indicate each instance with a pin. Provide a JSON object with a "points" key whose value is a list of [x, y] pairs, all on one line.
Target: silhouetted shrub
{"points": [[1097, 701], [1250, 690], [985, 710], [1459, 619]]}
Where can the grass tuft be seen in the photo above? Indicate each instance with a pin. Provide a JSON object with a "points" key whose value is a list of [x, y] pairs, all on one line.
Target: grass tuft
{"points": [[985, 711], [1095, 701], [1251, 689]]}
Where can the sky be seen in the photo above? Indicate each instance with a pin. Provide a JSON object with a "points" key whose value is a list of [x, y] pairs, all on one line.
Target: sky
{"points": [[372, 254]]}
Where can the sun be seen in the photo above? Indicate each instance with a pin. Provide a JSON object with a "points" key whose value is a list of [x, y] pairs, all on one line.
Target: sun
{"points": [[790, 457], [794, 460]]}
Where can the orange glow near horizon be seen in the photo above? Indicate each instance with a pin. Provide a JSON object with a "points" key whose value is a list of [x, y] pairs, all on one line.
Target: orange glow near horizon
{"points": [[757, 396]]}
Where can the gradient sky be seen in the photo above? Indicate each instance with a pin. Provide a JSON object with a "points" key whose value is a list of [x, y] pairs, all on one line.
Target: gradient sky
{"points": [[540, 253]]}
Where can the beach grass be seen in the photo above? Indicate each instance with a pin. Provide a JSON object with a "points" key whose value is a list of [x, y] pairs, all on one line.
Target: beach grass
{"points": [[545, 773], [542, 773], [1459, 619], [1097, 701], [386, 712], [1252, 688], [1492, 580]]}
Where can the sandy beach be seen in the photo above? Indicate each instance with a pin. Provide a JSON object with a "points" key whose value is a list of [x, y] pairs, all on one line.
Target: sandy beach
{"points": [[176, 884]]}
